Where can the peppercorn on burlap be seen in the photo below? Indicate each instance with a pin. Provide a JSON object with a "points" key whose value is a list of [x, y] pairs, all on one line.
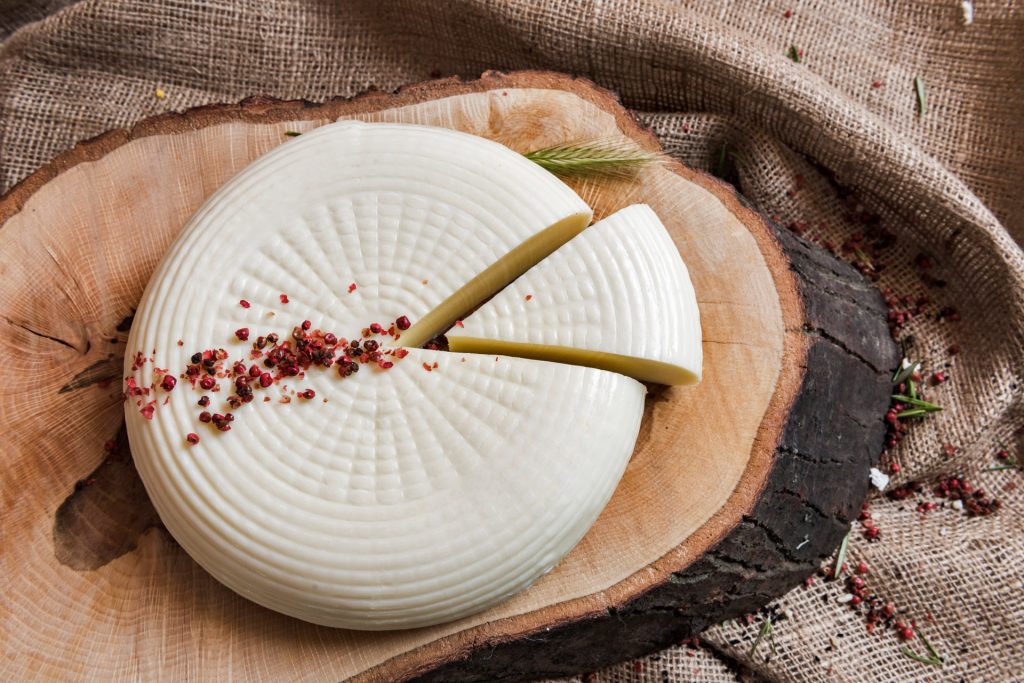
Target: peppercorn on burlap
{"points": [[810, 106]]}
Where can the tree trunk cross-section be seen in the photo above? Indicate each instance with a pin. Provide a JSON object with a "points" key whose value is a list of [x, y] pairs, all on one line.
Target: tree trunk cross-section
{"points": [[737, 490]]}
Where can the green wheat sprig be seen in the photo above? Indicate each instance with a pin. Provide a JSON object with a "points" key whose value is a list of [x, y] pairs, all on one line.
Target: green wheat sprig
{"points": [[612, 158]]}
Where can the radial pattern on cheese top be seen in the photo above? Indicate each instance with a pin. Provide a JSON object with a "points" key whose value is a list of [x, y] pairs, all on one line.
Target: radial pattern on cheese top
{"points": [[408, 215], [617, 296], [391, 498]]}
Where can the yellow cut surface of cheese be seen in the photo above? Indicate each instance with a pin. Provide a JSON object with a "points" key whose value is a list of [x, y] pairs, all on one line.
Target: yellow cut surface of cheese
{"points": [[642, 369], [497, 276], [617, 297]]}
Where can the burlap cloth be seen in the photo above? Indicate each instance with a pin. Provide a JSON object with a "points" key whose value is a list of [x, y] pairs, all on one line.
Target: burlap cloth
{"points": [[824, 142]]}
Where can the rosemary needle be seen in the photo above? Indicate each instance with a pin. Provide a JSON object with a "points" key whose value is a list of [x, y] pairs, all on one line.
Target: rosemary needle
{"points": [[841, 557], [766, 631], [906, 370], [909, 400], [933, 658]]}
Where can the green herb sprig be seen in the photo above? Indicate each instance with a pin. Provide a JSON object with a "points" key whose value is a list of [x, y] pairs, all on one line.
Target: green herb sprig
{"points": [[923, 405], [920, 407], [765, 632], [922, 102], [933, 658], [911, 388], [840, 557], [723, 168], [905, 371], [864, 258], [608, 158], [1009, 464]]}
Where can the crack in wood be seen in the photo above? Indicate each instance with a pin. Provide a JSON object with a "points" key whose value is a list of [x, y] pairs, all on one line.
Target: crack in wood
{"points": [[43, 335], [107, 370], [805, 502], [736, 342], [810, 459], [105, 514], [773, 536], [753, 568], [827, 336], [873, 307]]}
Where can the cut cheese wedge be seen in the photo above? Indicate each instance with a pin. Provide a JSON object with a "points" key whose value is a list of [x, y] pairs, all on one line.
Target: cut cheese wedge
{"points": [[395, 498], [617, 296]]}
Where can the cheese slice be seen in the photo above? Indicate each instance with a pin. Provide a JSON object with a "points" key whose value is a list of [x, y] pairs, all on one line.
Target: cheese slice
{"points": [[618, 297], [395, 498]]}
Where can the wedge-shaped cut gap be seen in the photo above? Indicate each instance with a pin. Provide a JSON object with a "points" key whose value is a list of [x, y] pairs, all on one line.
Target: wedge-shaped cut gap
{"points": [[616, 297], [640, 369], [495, 278]]}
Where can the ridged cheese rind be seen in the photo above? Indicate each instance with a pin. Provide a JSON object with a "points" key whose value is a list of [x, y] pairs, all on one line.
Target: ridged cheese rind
{"points": [[619, 288], [411, 497], [395, 498]]}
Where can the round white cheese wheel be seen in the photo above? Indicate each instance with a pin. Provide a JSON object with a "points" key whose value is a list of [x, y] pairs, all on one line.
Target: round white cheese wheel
{"points": [[395, 498], [617, 296]]}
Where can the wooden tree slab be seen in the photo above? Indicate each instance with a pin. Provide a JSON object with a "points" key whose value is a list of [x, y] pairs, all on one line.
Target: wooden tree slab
{"points": [[737, 488]]}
